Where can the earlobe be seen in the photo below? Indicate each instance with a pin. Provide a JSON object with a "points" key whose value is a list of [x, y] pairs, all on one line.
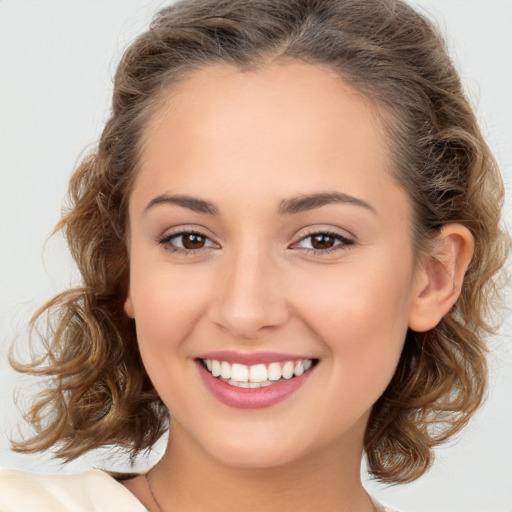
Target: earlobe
{"points": [[128, 306], [440, 277]]}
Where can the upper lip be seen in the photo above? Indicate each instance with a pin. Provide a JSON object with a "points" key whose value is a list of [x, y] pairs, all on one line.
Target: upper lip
{"points": [[253, 358]]}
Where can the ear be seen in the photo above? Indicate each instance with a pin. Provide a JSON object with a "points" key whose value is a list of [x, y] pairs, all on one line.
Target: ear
{"points": [[440, 276], [128, 305]]}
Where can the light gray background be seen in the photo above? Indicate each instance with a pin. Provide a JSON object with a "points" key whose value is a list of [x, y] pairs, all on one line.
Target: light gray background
{"points": [[57, 58]]}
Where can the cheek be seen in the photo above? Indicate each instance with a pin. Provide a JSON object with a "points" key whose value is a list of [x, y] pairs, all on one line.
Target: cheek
{"points": [[167, 306], [361, 313], [362, 323]]}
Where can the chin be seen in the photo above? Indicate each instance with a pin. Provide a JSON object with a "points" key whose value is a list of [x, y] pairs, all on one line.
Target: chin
{"points": [[253, 452], [253, 459]]}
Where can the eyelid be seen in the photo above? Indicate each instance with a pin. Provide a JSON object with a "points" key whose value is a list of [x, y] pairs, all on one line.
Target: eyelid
{"points": [[165, 240], [347, 240], [344, 240]]}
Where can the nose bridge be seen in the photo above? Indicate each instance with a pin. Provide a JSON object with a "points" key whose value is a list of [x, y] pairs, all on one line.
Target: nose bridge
{"points": [[250, 297]]}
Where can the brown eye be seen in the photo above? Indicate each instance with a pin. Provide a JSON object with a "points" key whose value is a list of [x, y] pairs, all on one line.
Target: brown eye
{"points": [[186, 241], [193, 241], [322, 241]]}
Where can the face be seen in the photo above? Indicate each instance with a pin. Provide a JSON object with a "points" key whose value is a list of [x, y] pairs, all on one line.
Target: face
{"points": [[269, 242]]}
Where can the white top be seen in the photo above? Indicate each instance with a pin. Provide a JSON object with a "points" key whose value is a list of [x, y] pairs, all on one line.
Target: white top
{"points": [[92, 491]]}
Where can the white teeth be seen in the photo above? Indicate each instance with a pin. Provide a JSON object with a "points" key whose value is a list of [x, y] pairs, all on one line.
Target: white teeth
{"points": [[257, 375], [215, 368], [225, 370], [239, 372], [237, 384], [288, 370], [274, 371]]}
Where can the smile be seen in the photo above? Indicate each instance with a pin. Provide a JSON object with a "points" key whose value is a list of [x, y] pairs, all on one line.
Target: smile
{"points": [[258, 375], [253, 381]]}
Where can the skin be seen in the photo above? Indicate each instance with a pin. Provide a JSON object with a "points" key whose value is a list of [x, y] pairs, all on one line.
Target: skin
{"points": [[246, 142]]}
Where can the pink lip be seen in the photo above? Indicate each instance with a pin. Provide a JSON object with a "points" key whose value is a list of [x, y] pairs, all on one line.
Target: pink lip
{"points": [[251, 359], [247, 398]]}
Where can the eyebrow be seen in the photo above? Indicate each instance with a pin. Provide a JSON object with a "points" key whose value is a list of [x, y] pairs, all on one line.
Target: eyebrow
{"points": [[192, 203], [287, 206], [312, 201]]}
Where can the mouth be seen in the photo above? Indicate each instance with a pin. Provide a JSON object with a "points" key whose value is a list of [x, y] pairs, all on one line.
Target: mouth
{"points": [[257, 375]]}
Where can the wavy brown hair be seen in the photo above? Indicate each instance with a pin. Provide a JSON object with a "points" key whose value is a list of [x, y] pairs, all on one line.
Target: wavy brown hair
{"points": [[99, 392]]}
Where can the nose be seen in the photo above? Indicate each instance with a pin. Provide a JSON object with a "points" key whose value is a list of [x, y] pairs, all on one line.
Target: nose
{"points": [[250, 299]]}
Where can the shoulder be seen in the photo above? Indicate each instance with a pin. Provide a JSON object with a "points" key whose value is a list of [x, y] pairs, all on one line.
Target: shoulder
{"points": [[382, 508], [92, 491]]}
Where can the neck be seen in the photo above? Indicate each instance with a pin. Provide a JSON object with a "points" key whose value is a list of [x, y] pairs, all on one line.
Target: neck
{"points": [[328, 479]]}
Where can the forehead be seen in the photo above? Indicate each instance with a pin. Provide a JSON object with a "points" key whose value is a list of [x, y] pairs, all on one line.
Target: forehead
{"points": [[284, 121], [295, 99]]}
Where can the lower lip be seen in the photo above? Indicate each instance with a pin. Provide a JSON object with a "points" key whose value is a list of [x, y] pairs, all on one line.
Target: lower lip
{"points": [[251, 398]]}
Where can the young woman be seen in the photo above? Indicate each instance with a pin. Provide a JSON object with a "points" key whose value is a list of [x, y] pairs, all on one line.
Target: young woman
{"points": [[288, 238]]}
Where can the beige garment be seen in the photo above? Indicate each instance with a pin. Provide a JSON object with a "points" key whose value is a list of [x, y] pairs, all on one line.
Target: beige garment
{"points": [[92, 491], [382, 508]]}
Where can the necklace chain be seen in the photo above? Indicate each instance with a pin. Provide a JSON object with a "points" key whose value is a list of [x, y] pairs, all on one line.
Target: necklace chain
{"points": [[148, 478]]}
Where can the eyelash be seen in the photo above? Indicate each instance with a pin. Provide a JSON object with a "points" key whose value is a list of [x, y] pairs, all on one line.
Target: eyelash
{"points": [[166, 242], [343, 242]]}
